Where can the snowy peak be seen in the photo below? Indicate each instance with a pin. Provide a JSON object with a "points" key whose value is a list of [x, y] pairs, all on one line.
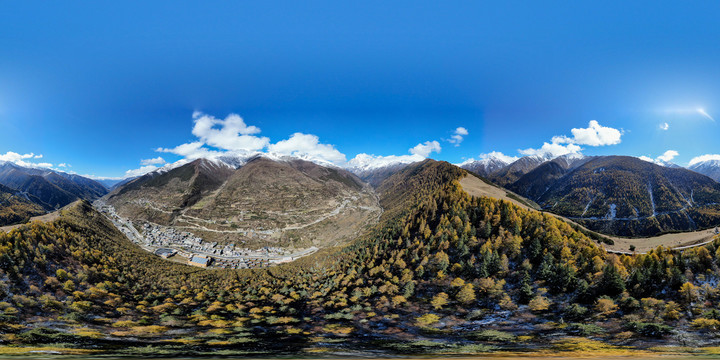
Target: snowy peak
{"points": [[484, 167], [569, 161], [365, 162], [710, 168]]}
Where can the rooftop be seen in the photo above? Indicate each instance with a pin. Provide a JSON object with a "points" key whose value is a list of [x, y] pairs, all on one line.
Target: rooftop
{"points": [[198, 259]]}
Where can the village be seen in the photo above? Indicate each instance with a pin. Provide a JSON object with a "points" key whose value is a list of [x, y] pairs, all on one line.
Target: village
{"points": [[168, 243]]}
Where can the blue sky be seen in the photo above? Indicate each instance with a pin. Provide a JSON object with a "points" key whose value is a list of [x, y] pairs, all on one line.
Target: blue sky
{"points": [[102, 85]]}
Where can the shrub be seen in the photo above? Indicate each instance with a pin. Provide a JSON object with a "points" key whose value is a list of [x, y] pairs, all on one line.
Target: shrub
{"points": [[655, 330], [427, 319], [584, 329], [493, 336]]}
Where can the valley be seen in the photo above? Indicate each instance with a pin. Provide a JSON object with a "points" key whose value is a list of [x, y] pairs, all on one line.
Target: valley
{"points": [[182, 247], [262, 203]]}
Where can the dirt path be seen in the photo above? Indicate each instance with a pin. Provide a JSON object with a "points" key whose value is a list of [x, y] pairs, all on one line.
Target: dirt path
{"points": [[684, 240]]}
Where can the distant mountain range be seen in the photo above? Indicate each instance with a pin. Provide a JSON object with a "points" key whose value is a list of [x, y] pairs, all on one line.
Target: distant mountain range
{"points": [[486, 166], [612, 194], [618, 195], [710, 168], [41, 190]]}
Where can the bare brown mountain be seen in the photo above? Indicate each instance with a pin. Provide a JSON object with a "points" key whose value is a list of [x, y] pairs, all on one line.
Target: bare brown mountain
{"points": [[265, 202]]}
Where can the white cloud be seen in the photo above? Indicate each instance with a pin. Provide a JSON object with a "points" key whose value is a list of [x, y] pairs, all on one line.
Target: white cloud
{"points": [[155, 161], [498, 155], [552, 150], [64, 165], [140, 171], [663, 159], [15, 157], [596, 135], [232, 136], [20, 159], [229, 134], [308, 147], [664, 126], [426, 148], [193, 150], [702, 158], [458, 136], [668, 155], [646, 158], [419, 153]]}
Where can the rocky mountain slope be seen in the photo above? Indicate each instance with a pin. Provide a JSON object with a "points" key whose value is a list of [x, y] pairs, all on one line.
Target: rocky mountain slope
{"points": [[49, 189], [485, 167], [264, 202], [709, 168], [513, 171], [376, 175], [624, 195]]}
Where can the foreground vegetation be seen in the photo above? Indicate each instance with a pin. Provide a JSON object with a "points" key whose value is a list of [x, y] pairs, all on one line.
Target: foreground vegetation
{"points": [[443, 272]]}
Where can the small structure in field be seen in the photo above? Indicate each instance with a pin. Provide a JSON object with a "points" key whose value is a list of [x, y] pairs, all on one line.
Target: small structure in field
{"points": [[165, 253], [200, 260]]}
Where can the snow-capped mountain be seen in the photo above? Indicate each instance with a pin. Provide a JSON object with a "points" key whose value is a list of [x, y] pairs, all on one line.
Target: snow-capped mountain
{"points": [[374, 169], [710, 168], [364, 162], [484, 167], [569, 161]]}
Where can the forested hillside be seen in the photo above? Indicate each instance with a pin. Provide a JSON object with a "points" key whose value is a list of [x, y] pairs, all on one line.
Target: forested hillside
{"points": [[15, 208], [624, 195], [441, 268]]}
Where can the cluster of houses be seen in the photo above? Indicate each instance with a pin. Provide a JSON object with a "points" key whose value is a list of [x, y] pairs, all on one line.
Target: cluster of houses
{"points": [[241, 263], [166, 242], [166, 236], [205, 254]]}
